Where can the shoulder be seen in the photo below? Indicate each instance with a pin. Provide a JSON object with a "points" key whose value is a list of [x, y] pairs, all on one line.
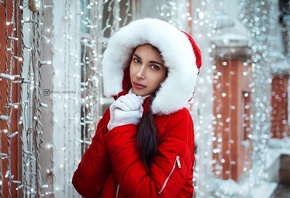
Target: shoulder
{"points": [[177, 116], [183, 113], [179, 122]]}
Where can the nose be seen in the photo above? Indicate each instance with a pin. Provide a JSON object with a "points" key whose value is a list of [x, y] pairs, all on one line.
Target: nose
{"points": [[141, 72]]}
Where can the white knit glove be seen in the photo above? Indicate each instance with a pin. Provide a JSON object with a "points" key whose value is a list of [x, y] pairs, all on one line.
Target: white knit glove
{"points": [[126, 109]]}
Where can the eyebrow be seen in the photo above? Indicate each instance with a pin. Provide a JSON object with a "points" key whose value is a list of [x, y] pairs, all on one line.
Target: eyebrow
{"points": [[152, 61]]}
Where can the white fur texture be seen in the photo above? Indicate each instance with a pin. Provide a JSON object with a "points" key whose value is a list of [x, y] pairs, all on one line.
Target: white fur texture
{"points": [[176, 51]]}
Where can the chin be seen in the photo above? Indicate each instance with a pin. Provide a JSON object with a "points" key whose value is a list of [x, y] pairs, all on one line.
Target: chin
{"points": [[139, 93]]}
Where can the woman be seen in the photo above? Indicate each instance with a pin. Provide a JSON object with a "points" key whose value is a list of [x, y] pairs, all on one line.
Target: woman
{"points": [[144, 144]]}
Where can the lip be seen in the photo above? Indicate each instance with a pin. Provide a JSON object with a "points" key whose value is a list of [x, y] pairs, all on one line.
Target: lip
{"points": [[138, 85]]}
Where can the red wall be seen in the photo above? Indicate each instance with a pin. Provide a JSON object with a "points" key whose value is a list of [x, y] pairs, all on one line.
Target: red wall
{"points": [[232, 111], [279, 102], [4, 91]]}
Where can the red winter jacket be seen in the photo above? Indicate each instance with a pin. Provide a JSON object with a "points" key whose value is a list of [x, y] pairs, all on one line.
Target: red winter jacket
{"points": [[112, 167]]}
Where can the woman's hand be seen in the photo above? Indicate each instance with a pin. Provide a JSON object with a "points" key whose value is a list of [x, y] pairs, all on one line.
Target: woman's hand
{"points": [[126, 109]]}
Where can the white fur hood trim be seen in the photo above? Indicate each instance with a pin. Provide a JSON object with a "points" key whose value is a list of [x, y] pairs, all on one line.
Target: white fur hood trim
{"points": [[176, 51]]}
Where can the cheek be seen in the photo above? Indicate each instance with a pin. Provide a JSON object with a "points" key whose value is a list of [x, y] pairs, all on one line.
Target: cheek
{"points": [[158, 80], [131, 71], [162, 77]]}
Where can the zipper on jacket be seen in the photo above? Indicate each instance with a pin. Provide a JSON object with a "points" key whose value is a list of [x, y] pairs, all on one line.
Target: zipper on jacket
{"points": [[117, 191], [176, 162]]}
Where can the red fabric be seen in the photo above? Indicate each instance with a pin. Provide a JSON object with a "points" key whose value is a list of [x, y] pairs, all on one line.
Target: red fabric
{"points": [[196, 50], [112, 160], [95, 166]]}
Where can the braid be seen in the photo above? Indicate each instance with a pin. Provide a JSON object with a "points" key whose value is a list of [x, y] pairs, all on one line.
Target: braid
{"points": [[147, 138]]}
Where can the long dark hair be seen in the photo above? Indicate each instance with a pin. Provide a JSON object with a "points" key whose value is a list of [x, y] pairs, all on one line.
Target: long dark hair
{"points": [[147, 136], [147, 132]]}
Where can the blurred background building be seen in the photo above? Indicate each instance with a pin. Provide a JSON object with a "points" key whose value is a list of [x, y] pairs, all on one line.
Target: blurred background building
{"points": [[51, 93]]}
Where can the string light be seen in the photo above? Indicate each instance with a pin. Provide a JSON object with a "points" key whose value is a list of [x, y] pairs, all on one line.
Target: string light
{"points": [[13, 105], [4, 117], [8, 76], [2, 3], [45, 62], [44, 45], [11, 135], [3, 155], [259, 136]]}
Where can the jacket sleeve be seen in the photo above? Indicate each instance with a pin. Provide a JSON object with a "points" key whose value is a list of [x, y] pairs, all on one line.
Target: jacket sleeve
{"points": [[95, 165], [172, 166]]}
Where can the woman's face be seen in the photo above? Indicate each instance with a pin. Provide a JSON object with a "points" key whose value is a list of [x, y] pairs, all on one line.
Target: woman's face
{"points": [[147, 70]]}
